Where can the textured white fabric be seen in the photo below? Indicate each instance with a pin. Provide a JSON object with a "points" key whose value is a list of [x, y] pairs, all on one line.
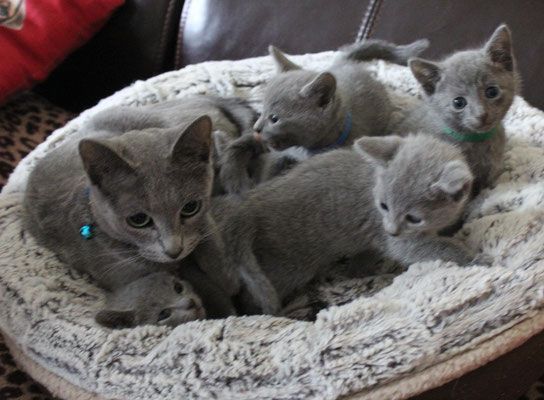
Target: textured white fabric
{"points": [[428, 314]]}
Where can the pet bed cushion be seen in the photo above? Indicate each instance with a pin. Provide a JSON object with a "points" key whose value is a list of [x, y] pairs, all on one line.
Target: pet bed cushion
{"points": [[433, 323]]}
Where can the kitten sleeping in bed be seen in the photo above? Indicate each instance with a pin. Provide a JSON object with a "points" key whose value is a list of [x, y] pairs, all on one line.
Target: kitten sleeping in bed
{"points": [[391, 195], [132, 196], [319, 111], [466, 97]]}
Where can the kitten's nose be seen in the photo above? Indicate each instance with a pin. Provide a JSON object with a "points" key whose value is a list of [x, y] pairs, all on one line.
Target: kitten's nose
{"points": [[391, 229], [191, 304], [173, 252]]}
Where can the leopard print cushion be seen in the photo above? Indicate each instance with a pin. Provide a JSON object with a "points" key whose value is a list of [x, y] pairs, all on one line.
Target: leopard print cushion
{"points": [[25, 122]]}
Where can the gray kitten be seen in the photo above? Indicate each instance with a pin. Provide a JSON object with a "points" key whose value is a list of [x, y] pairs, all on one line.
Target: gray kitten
{"points": [[320, 110], [158, 299], [315, 109], [120, 205], [466, 97], [391, 195]]}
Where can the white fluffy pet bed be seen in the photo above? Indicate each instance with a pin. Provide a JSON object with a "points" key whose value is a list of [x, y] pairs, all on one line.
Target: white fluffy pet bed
{"points": [[434, 323]]}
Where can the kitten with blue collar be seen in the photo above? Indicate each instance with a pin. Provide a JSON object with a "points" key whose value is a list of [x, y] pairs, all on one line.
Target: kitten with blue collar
{"points": [[466, 96]]}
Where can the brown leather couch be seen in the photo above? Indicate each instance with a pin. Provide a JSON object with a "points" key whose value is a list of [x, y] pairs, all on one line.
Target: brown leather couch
{"points": [[147, 37]]}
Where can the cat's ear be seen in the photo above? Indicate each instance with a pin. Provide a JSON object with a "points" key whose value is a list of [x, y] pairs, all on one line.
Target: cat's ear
{"points": [[221, 141], [426, 72], [455, 180], [379, 150], [102, 158], [281, 61], [195, 143], [116, 319], [499, 48], [321, 89]]}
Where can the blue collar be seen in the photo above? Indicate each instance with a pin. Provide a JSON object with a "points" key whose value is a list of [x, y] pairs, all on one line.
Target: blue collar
{"points": [[346, 130]]}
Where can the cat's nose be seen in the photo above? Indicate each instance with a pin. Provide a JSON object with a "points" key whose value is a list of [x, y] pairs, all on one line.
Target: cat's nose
{"points": [[173, 253], [392, 229], [191, 304], [484, 119]]}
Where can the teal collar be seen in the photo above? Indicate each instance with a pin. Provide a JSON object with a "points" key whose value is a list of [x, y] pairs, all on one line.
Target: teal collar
{"points": [[470, 137], [346, 130]]}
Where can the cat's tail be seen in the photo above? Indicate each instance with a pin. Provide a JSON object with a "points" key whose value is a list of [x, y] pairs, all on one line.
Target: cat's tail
{"points": [[375, 49]]}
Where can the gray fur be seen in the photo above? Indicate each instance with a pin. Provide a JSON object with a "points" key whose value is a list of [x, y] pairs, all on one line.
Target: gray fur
{"points": [[158, 299], [375, 49], [283, 233], [247, 162], [468, 74], [158, 170]]}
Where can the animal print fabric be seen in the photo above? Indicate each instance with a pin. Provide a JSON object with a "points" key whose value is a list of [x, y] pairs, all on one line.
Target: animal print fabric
{"points": [[404, 321]]}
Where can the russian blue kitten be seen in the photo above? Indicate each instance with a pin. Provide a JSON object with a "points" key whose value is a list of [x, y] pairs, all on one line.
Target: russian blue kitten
{"points": [[140, 199], [466, 96], [391, 195], [313, 109], [156, 299]]}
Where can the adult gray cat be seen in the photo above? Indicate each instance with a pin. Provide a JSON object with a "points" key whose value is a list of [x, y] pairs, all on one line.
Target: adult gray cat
{"points": [[158, 298], [393, 198], [319, 110], [466, 97], [120, 205]]}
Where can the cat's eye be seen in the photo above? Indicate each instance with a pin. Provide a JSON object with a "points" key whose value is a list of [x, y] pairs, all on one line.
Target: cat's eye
{"points": [[491, 92], [191, 208], [178, 287], [165, 314], [413, 219], [140, 220], [384, 207], [273, 118], [459, 103]]}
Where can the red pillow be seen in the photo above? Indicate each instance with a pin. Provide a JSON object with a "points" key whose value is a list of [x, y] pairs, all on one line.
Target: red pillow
{"points": [[36, 35]]}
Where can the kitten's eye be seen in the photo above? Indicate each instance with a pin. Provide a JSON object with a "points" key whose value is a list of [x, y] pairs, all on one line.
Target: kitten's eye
{"points": [[273, 118], [491, 92], [191, 208], [178, 287], [459, 103], [140, 220], [384, 206], [413, 220], [164, 314]]}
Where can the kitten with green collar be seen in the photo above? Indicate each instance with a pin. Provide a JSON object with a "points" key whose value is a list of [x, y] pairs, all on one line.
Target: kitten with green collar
{"points": [[132, 196], [318, 111], [466, 96], [391, 195]]}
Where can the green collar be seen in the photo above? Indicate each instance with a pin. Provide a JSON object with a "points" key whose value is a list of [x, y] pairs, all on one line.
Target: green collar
{"points": [[470, 137]]}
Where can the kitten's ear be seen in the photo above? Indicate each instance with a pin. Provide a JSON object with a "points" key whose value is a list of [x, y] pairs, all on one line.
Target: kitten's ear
{"points": [[220, 142], [426, 72], [455, 180], [281, 61], [101, 158], [321, 89], [195, 142], [499, 48], [116, 319], [379, 150]]}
